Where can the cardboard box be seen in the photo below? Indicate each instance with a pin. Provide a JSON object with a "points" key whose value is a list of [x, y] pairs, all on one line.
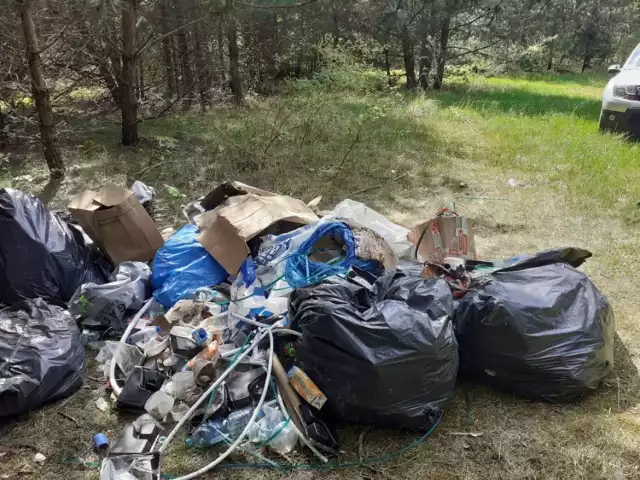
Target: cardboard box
{"points": [[226, 230], [446, 235], [116, 221]]}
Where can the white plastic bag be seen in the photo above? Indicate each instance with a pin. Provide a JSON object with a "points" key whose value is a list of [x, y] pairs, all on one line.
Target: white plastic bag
{"points": [[395, 235]]}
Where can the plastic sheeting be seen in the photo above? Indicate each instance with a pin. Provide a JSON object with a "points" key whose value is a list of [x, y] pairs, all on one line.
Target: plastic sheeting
{"points": [[41, 356], [383, 354], [105, 305], [538, 328], [40, 255], [395, 235], [181, 266]]}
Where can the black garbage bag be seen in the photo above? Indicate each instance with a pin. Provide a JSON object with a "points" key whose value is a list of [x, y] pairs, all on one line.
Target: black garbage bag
{"points": [[40, 255], [384, 355], [539, 328], [41, 356]]}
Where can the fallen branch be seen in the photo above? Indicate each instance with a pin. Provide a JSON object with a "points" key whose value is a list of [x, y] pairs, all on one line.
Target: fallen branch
{"points": [[141, 172], [69, 417], [344, 159], [368, 189]]}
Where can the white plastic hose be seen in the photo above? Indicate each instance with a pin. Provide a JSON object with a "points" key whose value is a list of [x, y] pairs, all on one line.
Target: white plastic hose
{"points": [[246, 430], [123, 340], [213, 386]]}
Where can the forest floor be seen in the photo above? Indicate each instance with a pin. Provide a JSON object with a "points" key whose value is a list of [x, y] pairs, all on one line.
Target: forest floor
{"points": [[522, 155]]}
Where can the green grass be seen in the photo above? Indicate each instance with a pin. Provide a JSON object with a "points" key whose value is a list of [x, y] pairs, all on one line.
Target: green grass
{"points": [[346, 134]]}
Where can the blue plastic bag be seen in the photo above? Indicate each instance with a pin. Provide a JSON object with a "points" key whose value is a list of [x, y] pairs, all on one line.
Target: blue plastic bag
{"points": [[181, 266]]}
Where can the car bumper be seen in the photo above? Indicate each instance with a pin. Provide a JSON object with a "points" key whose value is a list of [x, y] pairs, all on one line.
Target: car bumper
{"points": [[626, 121]]}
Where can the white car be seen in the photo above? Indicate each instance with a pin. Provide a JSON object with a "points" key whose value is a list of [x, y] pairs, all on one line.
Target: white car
{"points": [[621, 99]]}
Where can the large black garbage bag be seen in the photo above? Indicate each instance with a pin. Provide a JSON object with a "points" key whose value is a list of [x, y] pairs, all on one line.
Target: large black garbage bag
{"points": [[40, 255], [41, 356], [385, 355], [539, 328]]}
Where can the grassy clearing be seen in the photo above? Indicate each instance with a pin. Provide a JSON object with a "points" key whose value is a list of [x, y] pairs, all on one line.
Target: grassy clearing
{"points": [[342, 135]]}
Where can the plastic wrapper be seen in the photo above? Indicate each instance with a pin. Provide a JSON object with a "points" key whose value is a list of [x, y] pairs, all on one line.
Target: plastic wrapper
{"points": [[383, 354], [538, 328], [105, 305], [40, 255], [182, 266], [41, 356]]}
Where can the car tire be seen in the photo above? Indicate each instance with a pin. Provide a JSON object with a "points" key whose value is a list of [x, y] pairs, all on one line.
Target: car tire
{"points": [[602, 123]]}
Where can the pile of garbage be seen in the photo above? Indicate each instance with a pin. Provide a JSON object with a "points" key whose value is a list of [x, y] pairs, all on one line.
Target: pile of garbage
{"points": [[259, 325]]}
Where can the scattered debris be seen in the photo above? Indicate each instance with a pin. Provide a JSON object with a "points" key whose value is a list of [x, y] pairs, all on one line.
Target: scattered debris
{"points": [[102, 404], [259, 324]]}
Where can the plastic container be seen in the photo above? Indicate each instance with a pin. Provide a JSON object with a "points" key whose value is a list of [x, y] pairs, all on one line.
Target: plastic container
{"points": [[211, 353], [179, 411], [154, 346], [159, 405], [183, 385]]}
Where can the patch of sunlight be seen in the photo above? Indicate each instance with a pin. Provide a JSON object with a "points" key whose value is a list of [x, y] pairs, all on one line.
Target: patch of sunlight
{"points": [[87, 93]]}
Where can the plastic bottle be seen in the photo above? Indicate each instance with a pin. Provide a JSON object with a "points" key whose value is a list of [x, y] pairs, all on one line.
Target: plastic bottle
{"points": [[214, 432], [208, 433], [210, 353], [201, 337], [235, 422]]}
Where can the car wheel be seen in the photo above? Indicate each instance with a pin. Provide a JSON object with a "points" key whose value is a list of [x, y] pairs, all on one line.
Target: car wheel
{"points": [[602, 123]]}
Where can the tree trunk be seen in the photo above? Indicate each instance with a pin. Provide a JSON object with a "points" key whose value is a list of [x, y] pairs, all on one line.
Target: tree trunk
{"points": [[40, 93], [202, 69], [141, 88], [222, 69], [409, 60], [426, 56], [128, 75], [187, 84], [586, 63], [234, 56], [442, 50], [166, 50], [387, 67], [111, 82]]}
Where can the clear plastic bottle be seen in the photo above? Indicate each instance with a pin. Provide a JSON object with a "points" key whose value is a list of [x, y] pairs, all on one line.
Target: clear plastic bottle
{"points": [[209, 433], [214, 432], [236, 421]]}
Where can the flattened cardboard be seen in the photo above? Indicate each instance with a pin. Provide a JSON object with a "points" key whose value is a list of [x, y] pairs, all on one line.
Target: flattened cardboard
{"points": [[445, 236], [116, 221], [226, 190], [225, 233]]}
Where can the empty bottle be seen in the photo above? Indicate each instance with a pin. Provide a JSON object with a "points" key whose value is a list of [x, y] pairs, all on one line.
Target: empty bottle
{"points": [[210, 353], [207, 434], [214, 432]]}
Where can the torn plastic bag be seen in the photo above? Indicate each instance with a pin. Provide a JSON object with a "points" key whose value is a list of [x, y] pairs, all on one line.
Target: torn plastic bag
{"points": [[383, 354], [105, 305], [41, 356], [40, 255], [395, 235], [538, 328], [314, 252], [181, 266]]}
